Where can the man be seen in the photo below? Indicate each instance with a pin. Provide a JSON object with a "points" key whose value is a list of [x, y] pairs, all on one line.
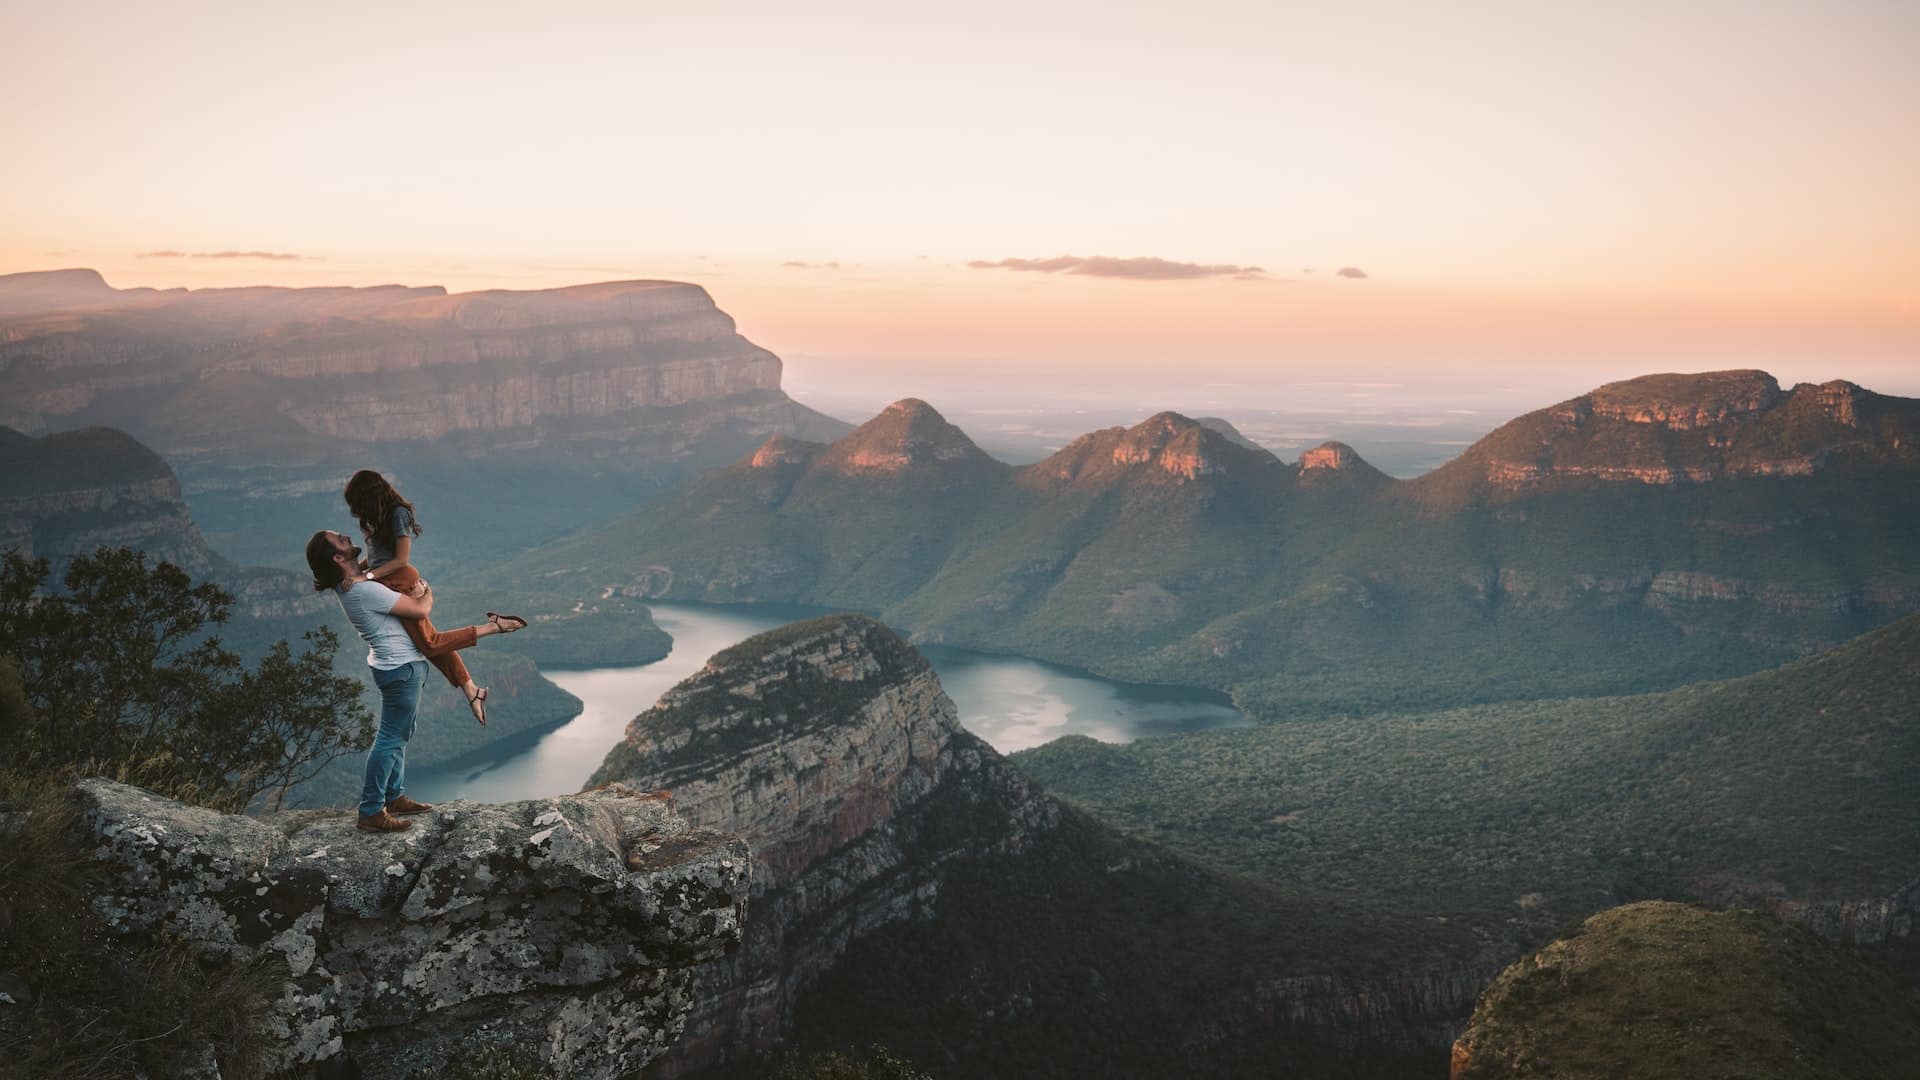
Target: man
{"points": [[399, 670]]}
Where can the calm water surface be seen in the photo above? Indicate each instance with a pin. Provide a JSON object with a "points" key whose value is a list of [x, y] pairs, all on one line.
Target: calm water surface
{"points": [[1011, 702]]}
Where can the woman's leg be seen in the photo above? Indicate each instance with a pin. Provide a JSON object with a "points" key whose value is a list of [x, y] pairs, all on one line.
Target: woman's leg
{"points": [[442, 647]]}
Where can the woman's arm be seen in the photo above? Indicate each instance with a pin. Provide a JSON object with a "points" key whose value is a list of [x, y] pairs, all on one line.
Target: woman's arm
{"points": [[413, 607], [402, 548]]}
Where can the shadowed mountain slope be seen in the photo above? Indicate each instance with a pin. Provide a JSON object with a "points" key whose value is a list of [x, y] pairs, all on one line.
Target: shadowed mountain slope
{"points": [[1795, 790], [1660, 991]]}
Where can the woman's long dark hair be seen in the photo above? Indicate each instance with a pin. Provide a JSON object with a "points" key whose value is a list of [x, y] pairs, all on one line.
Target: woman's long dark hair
{"points": [[372, 500]]}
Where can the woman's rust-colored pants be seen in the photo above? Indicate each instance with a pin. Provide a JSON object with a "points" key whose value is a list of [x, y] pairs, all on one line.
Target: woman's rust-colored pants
{"points": [[441, 648]]}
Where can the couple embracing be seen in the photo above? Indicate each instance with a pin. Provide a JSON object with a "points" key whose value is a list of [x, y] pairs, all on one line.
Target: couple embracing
{"points": [[389, 604]]}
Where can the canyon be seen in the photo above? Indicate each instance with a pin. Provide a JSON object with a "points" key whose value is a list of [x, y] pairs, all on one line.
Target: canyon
{"points": [[876, 822]]}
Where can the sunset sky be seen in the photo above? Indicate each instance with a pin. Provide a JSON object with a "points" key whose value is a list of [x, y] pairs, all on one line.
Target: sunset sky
{"points": [[1546, 193]]}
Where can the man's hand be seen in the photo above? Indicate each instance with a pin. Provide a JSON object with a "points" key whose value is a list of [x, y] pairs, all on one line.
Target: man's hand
{"points": [[419, 589]]}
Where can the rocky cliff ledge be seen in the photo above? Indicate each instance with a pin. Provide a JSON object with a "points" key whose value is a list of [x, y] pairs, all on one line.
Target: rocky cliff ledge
{"points": [[831, 747], [566, 928]]}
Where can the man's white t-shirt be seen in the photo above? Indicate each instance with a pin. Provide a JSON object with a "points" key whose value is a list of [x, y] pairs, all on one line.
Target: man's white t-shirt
{"points": [[369, 607]]}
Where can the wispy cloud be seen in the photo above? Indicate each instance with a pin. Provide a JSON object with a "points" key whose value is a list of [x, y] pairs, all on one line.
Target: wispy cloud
{"points": [[1141, 268], [1351, 272], [802, 264], [275, 256]]}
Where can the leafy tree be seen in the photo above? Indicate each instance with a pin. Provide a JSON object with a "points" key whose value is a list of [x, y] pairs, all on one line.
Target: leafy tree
{"points": [[120, 675]]}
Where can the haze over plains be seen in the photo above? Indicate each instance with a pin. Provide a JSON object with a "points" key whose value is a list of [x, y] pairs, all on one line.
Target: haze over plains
{"points": [[1018, 201]]}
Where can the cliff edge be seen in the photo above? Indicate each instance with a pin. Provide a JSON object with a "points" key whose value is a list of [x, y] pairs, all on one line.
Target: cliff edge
{"points": [[565, 928]]}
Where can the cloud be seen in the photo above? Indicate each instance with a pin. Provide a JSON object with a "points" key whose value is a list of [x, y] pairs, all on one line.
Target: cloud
{"points": [[1351, 272], [276, 256], [1142, 268], [811, 265]]}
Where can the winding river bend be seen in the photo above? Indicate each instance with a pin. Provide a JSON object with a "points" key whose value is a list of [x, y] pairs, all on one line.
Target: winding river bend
{"points": [[1011, 702]]}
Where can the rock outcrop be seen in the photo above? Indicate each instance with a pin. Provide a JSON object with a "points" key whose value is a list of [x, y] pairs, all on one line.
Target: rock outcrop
{"points": [[566, 928], [885, 836], [831, 747]]}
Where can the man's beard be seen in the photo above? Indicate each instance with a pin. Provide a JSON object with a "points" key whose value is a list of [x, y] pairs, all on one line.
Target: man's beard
{"points": [[353, 552]]}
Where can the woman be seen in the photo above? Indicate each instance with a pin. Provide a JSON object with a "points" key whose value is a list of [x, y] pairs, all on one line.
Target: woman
{"points": [[386, 520]]}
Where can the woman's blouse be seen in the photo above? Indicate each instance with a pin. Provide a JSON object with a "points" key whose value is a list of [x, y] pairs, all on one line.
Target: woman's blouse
{"points": [[380, 547]]}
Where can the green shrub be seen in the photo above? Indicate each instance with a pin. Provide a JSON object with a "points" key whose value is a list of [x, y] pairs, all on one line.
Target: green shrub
{"points": [[102, 1005], [120, 676]]}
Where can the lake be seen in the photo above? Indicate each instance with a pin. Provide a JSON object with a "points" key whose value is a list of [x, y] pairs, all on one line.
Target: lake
{"points": [[1011, 702]]}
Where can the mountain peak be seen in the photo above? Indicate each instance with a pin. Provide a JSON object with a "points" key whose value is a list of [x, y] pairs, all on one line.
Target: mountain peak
{"points": [[783, 450], [912, 408], [908, 434], [1178, 445], [1226, 428], [54, 290], [1331, 455], [1685, 401]]}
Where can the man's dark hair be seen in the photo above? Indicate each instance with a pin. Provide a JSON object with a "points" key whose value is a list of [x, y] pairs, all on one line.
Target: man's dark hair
{"points": [[320, 553]]}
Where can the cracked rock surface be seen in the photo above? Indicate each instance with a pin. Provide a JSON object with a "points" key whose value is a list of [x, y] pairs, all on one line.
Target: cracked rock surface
{"points": [[566, 927]]}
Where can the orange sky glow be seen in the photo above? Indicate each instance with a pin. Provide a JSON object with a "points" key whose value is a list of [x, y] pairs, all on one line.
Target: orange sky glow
{"points": [[1558, 193]]}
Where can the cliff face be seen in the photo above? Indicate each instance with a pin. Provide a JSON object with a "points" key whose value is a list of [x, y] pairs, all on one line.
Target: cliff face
{"points": [[564, 928], [71, 492], [220, 372], [830, 746]]}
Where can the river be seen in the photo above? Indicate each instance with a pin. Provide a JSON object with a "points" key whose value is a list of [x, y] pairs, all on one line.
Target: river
{"points": [[1011, 702]]}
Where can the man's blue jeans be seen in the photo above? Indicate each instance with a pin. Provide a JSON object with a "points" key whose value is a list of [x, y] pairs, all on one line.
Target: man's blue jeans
{"points": [[387, 760]]}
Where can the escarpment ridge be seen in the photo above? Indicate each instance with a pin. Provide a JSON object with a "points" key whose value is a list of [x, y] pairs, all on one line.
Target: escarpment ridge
{"points": [[224, 372], [1684, 429], [565, 928]]}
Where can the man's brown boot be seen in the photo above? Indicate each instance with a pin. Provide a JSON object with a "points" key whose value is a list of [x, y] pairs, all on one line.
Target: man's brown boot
{"points": [[381, 822], [406, 805]]}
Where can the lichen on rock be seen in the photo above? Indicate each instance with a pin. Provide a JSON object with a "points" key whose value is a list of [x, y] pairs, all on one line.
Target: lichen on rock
{"points": [[565, 927]]}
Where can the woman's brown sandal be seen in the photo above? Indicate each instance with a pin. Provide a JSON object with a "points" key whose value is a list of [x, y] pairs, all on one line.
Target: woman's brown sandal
{"points": [[499, 623], [477, 701]]}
